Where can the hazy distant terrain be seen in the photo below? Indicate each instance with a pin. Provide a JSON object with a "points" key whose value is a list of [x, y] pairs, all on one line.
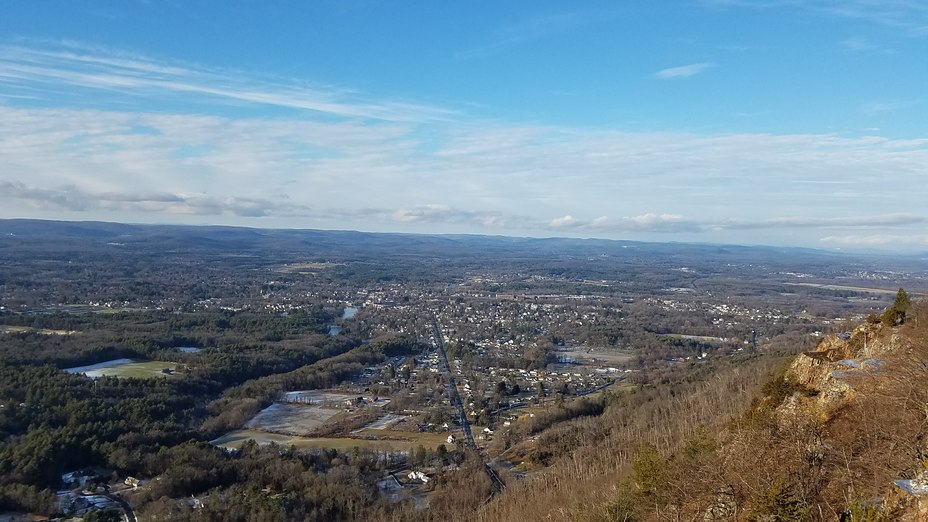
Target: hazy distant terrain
{"points": [[396, 371]]}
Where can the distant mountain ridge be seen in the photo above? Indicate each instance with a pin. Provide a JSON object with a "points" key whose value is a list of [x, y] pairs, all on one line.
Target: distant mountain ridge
{"points": [[244, 240]]}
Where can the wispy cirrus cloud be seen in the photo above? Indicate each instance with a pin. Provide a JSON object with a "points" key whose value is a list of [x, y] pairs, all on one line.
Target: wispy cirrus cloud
{"points": [[684, 71], [860, 44], [26, 71], [909, 15], [530, 30], [886, 106]]}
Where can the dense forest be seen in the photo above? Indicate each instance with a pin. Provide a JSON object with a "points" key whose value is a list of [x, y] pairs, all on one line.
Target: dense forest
{"points": [[52, 422]]}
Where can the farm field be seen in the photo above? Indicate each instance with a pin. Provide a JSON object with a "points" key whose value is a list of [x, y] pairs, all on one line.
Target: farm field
{"points": [[125, 368]]}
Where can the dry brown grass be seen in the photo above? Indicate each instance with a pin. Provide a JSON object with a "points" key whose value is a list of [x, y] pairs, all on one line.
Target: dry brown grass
{"points": [[796, 467], [583, 484]]}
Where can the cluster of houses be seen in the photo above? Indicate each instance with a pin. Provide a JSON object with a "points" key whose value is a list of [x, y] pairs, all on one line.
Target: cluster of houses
{"points": [[87, 491]]}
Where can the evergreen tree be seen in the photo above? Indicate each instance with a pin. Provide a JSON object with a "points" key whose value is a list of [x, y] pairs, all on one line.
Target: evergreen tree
{"points": [[896, 313]]}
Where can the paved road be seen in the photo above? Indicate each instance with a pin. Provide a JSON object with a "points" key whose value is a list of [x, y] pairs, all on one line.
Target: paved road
{"points": [[457, 403], [453, 393], [126, 508]]}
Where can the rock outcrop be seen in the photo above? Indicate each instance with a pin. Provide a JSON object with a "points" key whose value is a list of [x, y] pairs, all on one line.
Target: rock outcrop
{"points": [[829, 375], [846, 375]]}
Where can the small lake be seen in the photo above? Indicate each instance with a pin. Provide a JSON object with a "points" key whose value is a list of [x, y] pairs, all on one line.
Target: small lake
{"points": [[348, 313], [188, 349]]}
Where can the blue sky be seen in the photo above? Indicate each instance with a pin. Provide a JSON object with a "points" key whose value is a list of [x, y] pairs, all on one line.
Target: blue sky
{"points": [[784, 122]]}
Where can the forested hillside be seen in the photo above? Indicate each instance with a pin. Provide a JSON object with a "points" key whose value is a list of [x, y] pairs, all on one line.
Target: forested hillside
{"points": [[837, 433]]}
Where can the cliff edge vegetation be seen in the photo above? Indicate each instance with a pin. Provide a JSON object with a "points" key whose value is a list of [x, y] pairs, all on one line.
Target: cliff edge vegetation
{"points": [[839, 432]]}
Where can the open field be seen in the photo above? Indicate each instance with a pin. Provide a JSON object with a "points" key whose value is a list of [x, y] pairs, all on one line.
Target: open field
{"points": [[291, 419], [614, 387], [118, 310], [404, 441], [29, 329], [528, 410], [125, 368], [851, 288], [384, 423], [584, 354], [303, 412], [319, 398], [415, 438], [703, 338], [303, 267]]}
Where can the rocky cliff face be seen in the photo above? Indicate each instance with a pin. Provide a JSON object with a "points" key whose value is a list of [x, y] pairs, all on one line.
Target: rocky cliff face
{"points": [[861, 390], [840, 365]]}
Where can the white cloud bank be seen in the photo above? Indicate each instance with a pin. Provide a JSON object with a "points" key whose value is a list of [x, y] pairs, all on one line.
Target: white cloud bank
{"points": [[341, 160]]}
